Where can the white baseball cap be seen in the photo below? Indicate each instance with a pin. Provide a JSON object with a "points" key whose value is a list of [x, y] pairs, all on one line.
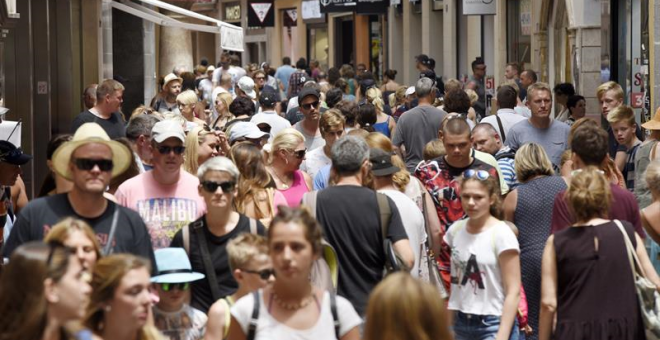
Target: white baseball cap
{"points": [[246, 84], [410, 90], [246, 130], [167, 128]]}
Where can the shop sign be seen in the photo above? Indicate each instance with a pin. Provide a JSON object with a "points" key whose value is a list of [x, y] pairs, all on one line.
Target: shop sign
{"points": [[371, 7], [233, 12], [231, 38], [479, 7], [261, 13], [311, 10], [526, 17], [330, 6]]}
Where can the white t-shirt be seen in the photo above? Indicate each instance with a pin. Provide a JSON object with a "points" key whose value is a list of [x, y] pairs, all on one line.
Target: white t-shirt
{"points": [[508, 117], [311, 142], [413, 223], [270, 329], [314, 161], [186, 324], [476, 279], [276, 122]]}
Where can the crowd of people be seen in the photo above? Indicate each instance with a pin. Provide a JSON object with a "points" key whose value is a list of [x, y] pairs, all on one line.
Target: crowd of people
{"points": [[303, 203]]}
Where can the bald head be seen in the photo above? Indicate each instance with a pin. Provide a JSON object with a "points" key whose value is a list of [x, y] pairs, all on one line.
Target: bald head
{"points": [[486, 139]]}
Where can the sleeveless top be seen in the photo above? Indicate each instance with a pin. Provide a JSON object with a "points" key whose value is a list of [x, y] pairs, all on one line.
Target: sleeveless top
{"points": [[383, 127], [296, 191]]}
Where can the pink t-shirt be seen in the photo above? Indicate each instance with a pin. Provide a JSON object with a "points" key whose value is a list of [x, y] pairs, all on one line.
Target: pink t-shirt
{"points": [[164, 208], [298, 188]]}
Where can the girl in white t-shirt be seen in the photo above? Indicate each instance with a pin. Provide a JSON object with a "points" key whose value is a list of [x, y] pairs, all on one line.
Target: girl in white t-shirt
{"points": [[485, 264], [292, 308]]}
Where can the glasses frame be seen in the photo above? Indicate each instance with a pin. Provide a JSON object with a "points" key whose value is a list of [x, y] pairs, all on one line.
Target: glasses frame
{"points": [[166, 150], [227, 187], [167, 286], [264, 274], [309, 106], [88, 164]]}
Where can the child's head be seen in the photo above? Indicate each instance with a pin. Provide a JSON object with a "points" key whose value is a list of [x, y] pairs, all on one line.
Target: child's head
{"points": [[434, 149], [622, 121], [480, 194], [174, 277], [249, 261]]}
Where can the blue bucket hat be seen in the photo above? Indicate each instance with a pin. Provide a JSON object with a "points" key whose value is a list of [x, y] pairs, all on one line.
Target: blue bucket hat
{"points": [[174, 267]]}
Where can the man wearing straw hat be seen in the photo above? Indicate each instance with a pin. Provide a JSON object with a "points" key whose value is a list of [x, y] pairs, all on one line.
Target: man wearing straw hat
{"points": [[90, 160], [171, 89]]}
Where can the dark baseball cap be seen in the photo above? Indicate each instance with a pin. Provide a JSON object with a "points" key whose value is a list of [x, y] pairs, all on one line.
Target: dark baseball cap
{"points": [[10, 154], [423, 59], [307, 91], [268, 97], [427, 74], [381, 161]]}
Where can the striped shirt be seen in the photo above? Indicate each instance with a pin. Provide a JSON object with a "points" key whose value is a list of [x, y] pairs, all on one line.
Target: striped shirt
{"points": [[629, 169], [507, 166]]}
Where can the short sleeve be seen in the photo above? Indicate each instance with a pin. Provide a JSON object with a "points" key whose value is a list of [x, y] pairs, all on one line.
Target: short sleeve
{"points": [[621, 147], [397, 139], [348, 317], [242, 311], [396, 231], [505, 239]]}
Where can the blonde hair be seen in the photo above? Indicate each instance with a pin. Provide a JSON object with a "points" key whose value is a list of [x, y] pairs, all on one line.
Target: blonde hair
{"points": [[226, 98], [453, 84], [377, 140], [398, 96], [62, 230], [607, 86], [244, 249], [187, 97], [404, 308], [286, 139], [532, 161], [177, 117], [434, 149], [652, 176], [375, 97], [472, 95], [331, 119], [144, 110], [622, 113], [588, 195], [194, 139], [536, 87]]}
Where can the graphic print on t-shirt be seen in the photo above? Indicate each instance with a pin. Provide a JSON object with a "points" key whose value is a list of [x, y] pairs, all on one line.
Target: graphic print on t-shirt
{"points": [[165, 216], [467, 272]]}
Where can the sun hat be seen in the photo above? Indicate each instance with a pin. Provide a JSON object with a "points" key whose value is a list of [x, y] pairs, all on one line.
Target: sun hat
{"points": [[169, 78], [382, 163], [210, 68], [10, 154], [167, 128], [246, 84], [653, 124], [174, 267], [86, 134], [246, 130]]}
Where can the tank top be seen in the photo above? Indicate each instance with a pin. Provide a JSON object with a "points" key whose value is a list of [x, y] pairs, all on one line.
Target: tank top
{"points": [[383, 127], [296, 191]]}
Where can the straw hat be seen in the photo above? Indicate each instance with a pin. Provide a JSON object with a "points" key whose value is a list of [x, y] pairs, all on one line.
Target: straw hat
{"points": [[653, 124], [91, 133], [170, 78]]}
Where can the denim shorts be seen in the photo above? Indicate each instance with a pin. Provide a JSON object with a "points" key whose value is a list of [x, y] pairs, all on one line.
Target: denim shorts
{"points": [[479, 327]]}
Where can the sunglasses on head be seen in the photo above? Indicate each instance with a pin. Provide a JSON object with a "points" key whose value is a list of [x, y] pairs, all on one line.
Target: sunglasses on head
{"points": [[300, 154], [310, 105], [165, 150], [263, 274], [481, 175], [211, 186], [88, 164], [172, 286]]}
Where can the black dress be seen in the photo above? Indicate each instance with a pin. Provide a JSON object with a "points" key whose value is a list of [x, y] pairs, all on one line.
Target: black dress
{"points": [[596, 296]]}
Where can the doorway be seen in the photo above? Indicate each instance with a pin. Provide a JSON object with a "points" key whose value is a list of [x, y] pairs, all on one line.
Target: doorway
{"points": [[344, 33]]}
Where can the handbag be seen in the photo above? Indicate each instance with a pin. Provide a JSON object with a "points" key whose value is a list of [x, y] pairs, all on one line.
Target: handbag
{"points": [[429, 256], [647, 294]]}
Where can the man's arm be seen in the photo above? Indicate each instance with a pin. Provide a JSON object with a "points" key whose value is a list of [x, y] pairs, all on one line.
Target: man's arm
{"points": [[18, 195], [397, 234], [561, 216]]}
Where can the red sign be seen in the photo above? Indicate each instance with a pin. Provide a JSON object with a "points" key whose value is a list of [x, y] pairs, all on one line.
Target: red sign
{"points": [[637, 100]]}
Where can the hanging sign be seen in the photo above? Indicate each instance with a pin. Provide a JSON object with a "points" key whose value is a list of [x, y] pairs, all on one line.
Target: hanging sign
{"points": [[261, 13], [311, 10], [479, 7], [371, 6], [333, 6]]}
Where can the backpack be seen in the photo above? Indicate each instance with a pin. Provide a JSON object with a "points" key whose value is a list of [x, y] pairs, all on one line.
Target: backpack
{"points": [[508, 154]]}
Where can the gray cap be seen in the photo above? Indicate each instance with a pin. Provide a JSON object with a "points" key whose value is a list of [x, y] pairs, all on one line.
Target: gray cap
{"points": [[166, 129]]}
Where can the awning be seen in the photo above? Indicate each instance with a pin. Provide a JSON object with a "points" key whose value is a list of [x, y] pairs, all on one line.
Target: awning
{"points": [[231, 36]]}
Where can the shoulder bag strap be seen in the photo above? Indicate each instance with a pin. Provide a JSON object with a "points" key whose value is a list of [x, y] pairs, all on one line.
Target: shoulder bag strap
{"points": [[632, 254], [385, 213], [253, 226], [107, 250], [225, 302], [252, 326], [198, 228], [335, 315], [186, 238], [499, 123]]}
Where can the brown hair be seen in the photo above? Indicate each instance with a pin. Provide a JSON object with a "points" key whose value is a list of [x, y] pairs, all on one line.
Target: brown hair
{"points": [[304, 218], [622, 113], [492, 185], [403, 308], [108, 87], [244, 248], [588, 195], [377, 140], [434, 149], [330, 119], [652, 176], [62, 230], [254, 178], [589, 142]]}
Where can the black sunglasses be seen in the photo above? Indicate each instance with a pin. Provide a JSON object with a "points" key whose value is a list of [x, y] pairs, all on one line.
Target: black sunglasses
{"points": [[172, 286], [263, 274], [310, 105], [211, 186], [300, 154], [88, 164], [165, 150], [54, 246]]}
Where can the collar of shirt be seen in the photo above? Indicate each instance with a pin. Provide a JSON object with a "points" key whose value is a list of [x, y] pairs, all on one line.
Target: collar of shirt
{"points": [[511, 111]]}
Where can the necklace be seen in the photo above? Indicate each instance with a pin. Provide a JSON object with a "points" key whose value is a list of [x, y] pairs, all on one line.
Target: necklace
{"points": [[284, 185], [293, 306]]}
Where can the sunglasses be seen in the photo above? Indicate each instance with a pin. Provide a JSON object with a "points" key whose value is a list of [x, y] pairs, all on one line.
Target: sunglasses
{"points": [[166, 287], [300, 154], [481, 175], [259, 78], [165, 150], [310, 105], [211, 186], [263, 274], [88, 164]]}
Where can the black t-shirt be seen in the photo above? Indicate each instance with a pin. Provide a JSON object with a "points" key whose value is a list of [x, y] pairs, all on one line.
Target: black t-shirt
{"points": [[202, 298], [350, 219], [40, 215], [113, 126]]}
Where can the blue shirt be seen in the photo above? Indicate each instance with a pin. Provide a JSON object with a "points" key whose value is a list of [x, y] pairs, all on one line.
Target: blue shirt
{"points": [[283, 73], [322, 178]]}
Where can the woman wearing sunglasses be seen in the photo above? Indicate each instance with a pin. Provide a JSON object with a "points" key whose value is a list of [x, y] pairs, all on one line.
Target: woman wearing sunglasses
{"points": [[292, 308], [44, 287], [287, 153], [485, 264], [201, 144]]}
